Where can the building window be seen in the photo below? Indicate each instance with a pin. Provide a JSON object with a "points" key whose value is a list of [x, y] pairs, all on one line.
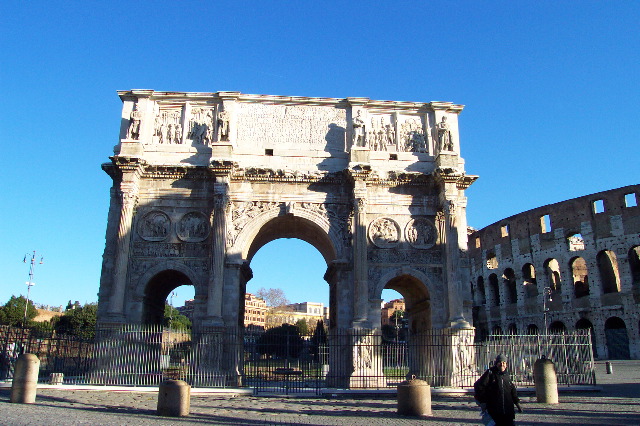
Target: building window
{"points": [[576, 242], [545, 224], [630, 200], [477, 242], [598, 206], [504, 231]]}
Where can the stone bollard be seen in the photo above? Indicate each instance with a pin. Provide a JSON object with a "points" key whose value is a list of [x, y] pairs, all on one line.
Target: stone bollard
{"points": [[414, 398], [544, 376], [25, 379], [609, 367], [174, 398]]}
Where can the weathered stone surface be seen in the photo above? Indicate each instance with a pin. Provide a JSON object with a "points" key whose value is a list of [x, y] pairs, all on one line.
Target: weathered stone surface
{"points": [[201, 181], [583, 254]]}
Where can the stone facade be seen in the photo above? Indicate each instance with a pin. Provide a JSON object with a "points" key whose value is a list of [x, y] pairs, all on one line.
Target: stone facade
{"points": [[565, 266], [201, 181], [388, 309], [255, 312]]}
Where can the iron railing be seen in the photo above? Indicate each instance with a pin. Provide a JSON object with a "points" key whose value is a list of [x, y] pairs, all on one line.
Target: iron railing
{"points": [[352, 358]]}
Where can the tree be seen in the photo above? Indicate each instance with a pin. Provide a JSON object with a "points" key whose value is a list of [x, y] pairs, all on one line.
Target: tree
{"points": [[12, 313], [303, 326], [79, 321], [389, 333], [318, 340], [274, 297], [283, 342], [398, 315], [278, 312], [174, 319]]}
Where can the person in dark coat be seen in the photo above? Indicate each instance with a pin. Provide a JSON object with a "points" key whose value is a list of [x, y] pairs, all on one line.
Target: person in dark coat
{"points": [[496, 393]]}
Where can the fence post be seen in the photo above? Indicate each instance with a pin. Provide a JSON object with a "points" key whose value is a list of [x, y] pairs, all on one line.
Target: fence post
{"points": [[25, 379]]}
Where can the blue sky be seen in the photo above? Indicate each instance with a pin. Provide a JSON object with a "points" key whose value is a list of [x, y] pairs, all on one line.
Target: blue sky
{"points": [[552, 92]]}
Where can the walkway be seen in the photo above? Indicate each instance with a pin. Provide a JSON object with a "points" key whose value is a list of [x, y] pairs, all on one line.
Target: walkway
{"points": [[617, 404]]}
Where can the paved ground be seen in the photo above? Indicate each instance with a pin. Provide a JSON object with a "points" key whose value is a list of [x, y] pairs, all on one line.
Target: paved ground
{"points": [[617, 404]]}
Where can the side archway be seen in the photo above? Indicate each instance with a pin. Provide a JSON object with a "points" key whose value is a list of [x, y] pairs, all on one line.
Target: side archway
{"points": [[414, 287], [615, 331], [608, 267], [156, 292], [585, 324]]}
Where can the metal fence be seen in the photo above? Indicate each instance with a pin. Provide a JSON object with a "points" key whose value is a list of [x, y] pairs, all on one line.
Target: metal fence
{"points": [[144, 356]]}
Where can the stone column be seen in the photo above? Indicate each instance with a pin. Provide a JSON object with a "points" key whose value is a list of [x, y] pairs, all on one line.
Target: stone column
{"points": [[567, 289], [595, 284], [216, 279], [131, 168], [453, 264], [360, 264], [624, 270], [520, 289], [453, 234], [221, 172]]}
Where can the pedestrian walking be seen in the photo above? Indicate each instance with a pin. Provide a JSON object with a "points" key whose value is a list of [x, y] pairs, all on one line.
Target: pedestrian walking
{"points": [[496, 395]]}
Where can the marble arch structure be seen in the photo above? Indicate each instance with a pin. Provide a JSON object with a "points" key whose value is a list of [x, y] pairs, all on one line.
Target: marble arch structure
{"points": [[201, 181]]}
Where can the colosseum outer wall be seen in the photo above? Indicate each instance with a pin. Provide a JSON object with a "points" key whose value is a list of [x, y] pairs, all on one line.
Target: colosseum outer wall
{"points": [[576, 260]]}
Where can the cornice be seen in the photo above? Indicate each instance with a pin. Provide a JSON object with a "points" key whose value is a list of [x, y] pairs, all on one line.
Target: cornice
{"points": [[466, 181], [175, 171], [291, 100], [260, 174], [220, 168]]}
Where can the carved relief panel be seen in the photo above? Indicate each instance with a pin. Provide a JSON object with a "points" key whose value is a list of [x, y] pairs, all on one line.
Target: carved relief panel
{"points": [[168, 125], [381, 133], [154, 226], [384, 232], [163, 234], [412, 135], [413, 245], [201, 125], [193, 227], [420, 233]]}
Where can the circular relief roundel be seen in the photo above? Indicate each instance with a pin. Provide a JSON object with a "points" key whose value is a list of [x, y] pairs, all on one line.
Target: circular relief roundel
{"points": [[193, 227], [421, 233], [384, 232], [154, 226]]}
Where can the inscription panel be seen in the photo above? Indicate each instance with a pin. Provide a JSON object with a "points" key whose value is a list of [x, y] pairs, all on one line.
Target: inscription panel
{"points": [[292, 126], [145, 249]]}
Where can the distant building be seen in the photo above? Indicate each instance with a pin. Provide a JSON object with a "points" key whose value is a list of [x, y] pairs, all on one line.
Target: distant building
{"points": [[311, 312], [310, 308], [255, 311], [386, 313]]}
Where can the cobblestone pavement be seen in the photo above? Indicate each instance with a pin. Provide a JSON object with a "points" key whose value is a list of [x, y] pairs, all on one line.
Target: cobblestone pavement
{"points": [[617, 404]]}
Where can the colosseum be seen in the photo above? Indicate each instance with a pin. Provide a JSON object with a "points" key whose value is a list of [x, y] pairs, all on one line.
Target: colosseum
{"points": [[564, 266]]}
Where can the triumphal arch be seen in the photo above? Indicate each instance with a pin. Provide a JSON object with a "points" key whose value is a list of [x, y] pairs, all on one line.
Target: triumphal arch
{"points": [[201, 181]]}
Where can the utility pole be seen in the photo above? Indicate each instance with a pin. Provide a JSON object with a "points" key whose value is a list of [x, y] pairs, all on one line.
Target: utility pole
{"points": [[30, 283], [173, 294]]}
